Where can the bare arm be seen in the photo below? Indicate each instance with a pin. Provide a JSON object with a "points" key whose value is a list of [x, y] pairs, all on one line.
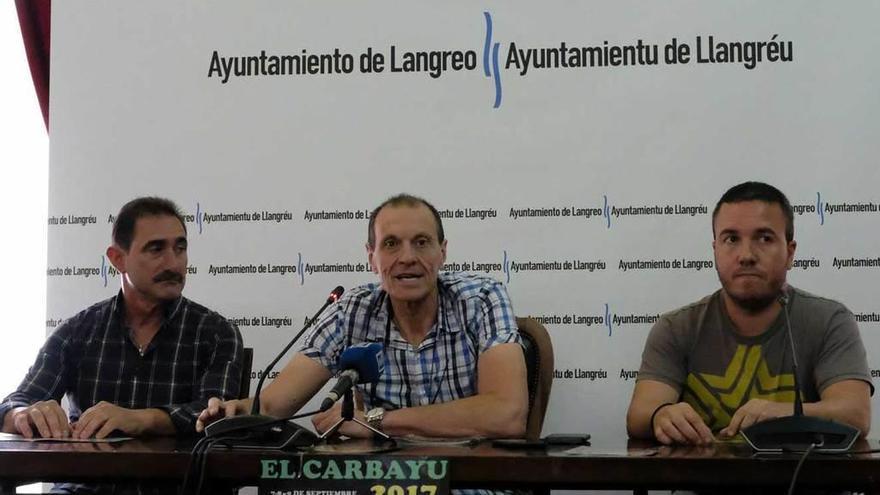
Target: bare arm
{"points": [[498, 410], [847, 401], [294, 386], [674, 423], [647, 396]]}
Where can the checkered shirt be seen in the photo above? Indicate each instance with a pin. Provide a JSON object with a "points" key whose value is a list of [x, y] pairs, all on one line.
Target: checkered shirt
{"points": [[91, 357], [474, 315]]}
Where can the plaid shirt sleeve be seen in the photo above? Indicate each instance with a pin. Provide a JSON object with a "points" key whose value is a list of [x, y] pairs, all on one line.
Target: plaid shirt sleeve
{"points": [[497, 320], [47, 378], [325, 340], [222, 377]]}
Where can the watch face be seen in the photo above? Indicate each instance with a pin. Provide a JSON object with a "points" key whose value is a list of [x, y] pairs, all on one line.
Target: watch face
{"points": [[375, 414]]}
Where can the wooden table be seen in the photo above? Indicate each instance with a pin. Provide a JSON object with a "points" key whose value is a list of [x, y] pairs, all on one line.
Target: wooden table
{"points": [[632, 465]]}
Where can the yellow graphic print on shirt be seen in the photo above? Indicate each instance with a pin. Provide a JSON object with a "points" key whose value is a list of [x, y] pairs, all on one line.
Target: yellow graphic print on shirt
{"points": [[717, 397]]}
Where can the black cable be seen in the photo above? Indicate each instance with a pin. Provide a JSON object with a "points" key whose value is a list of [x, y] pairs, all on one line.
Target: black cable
{"points": [[202, 471], [193, 469], [797, 470], [198, 461], [189, 465]]}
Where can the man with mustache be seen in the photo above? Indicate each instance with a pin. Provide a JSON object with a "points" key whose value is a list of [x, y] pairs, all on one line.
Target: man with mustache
{"points": [[143, 362], [724, 363], [453, 365]]}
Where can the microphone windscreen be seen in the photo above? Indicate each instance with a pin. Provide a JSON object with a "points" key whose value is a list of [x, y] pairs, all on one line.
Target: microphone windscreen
{"points": [[336, 294], [365, 358]]}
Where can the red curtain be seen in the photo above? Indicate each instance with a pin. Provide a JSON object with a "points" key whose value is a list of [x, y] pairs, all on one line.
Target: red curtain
{"points": [[34, 17]]}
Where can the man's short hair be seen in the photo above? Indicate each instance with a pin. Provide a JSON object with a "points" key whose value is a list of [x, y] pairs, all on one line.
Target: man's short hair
{"points": [[758, 191], [403, 200], [123, 227]]}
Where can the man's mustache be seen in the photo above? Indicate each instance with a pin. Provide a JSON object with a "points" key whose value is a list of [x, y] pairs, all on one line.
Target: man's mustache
{"points": [[168, 275]]}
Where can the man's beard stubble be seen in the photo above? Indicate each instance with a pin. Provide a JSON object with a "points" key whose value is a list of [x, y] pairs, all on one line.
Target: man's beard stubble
{"points": [[759, 302], [753, 304]]}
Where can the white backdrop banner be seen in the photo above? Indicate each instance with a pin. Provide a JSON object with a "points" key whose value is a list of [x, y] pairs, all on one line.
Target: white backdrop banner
{"points": [[575, 150]]}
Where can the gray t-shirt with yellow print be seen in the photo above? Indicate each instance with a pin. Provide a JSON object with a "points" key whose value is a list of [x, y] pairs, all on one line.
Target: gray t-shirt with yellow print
{"points": [[695, 350]]}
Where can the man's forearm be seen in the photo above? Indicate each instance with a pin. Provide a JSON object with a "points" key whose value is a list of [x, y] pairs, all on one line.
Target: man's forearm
{"points": [[154, 422], [856, 413], [846, 401], [648, 395], [638, 420], [477, 416]]}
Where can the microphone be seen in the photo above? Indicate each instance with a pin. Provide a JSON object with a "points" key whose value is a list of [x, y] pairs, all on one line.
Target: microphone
{"points": [[798, 432], [798, 401], [360, 363], [255, 419]]}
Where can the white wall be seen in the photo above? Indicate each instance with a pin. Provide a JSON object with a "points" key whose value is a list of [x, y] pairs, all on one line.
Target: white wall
{"points": [[142, 115]]}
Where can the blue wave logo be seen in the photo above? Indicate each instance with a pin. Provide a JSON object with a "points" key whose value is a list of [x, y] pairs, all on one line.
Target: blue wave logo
{"points": [[199, 216], [490, 50], [299, 268], [506, 265], [608, 318], [820, 208], [104, 269], [606, 211]]}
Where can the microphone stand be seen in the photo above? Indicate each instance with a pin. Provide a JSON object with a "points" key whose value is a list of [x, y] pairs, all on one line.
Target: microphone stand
{"points": [[255, 421], [348, 415]]}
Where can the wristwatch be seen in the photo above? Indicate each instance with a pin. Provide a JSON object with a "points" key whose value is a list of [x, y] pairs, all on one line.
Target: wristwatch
{"points": [[374, 417]]}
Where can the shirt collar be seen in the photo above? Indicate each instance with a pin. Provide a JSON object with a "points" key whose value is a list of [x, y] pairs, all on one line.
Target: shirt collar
{"points": [[727, 324], [382, 307], [170, 309]]}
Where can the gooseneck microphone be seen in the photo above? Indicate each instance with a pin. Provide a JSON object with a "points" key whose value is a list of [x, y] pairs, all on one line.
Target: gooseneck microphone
{"points": [[798, 432], [255, 419], [360, 363], [332, 298], [798, 400]]}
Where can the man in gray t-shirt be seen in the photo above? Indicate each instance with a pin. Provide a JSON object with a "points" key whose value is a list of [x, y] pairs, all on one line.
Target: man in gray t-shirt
{"points": [[724, 363]]}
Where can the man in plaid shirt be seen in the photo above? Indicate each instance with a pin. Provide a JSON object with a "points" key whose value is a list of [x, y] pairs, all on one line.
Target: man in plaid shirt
{"points": [[143, 362], [453, 363]]}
